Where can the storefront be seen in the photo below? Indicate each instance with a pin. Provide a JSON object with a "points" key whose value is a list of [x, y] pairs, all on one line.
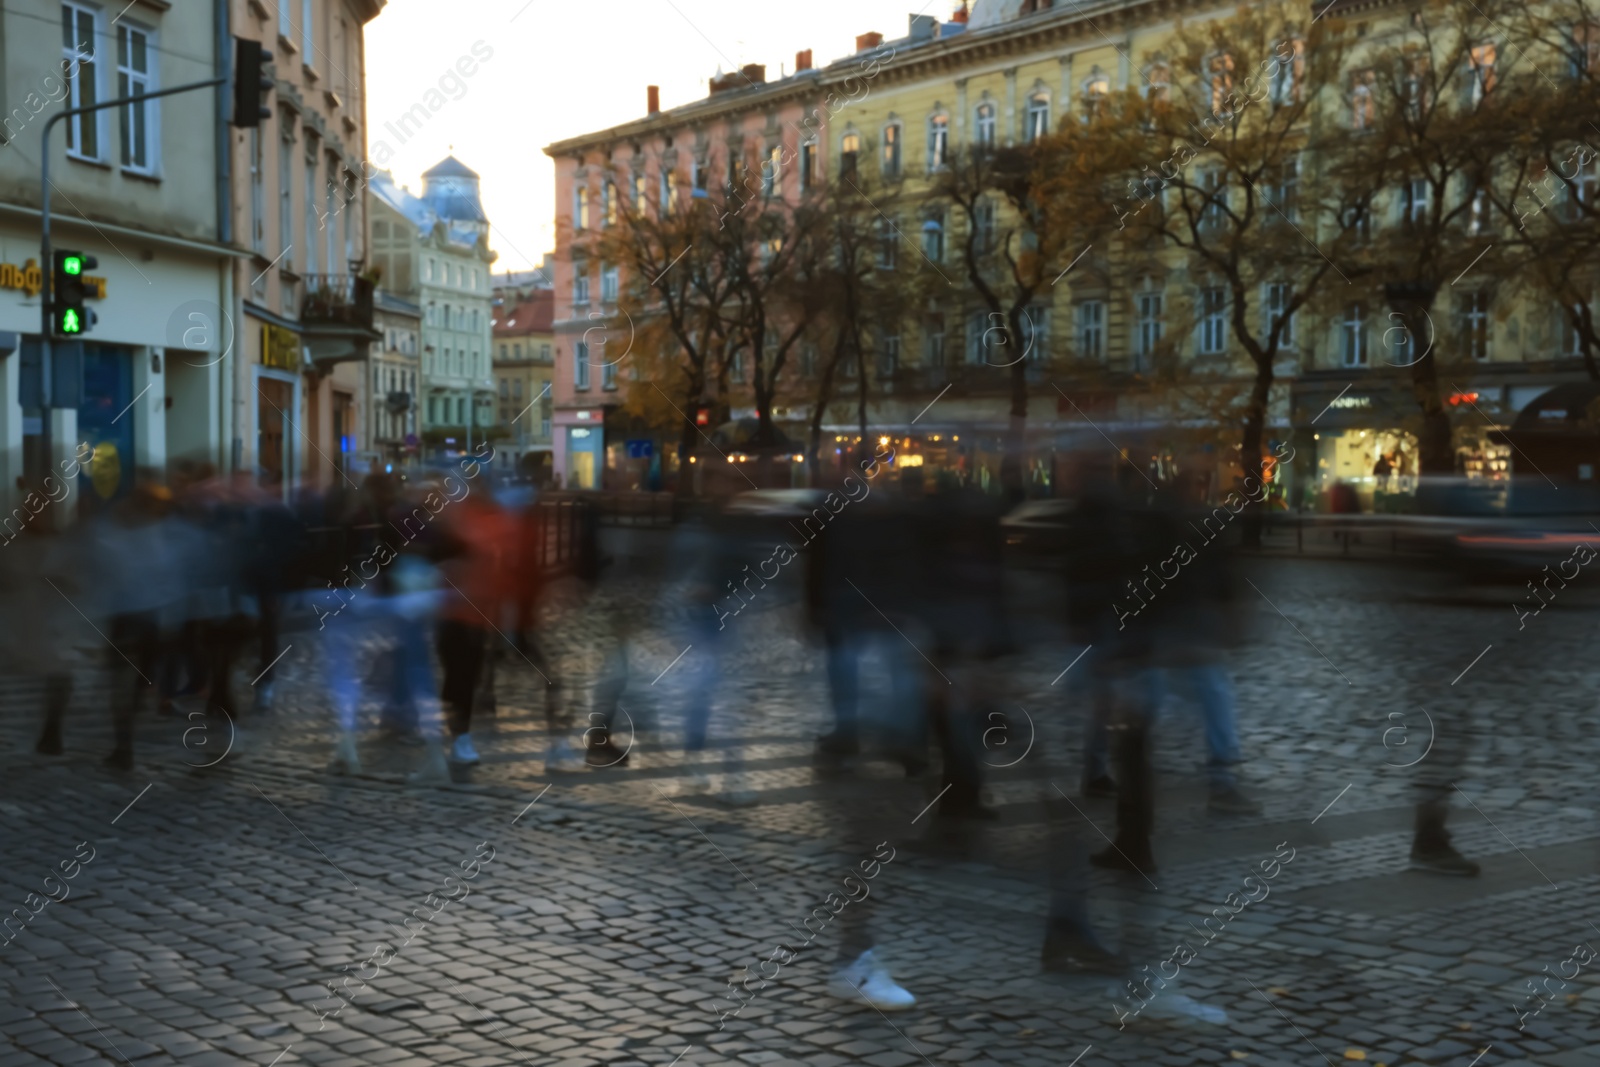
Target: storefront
{"points": [[147, 377]]}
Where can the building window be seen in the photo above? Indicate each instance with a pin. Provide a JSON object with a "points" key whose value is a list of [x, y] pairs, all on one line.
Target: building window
{"points": [[1096, 90], [286, 28], [1036, 332], [1583, 50], [80, 33], [888, 244], [505, 388], [285, 183], [1363, 106], [808, 165], [849, 151], [888, 355], [1091, 330], [771, 172], [1037, 119], [983, 225], [608, 376], [1285, 85], [636, 192], [609, 284], [1414, 201], [1221, 82], [890, 154], [258, 193], [580, 207], [1353, 337], [135, 75], [933, 342], [1213, 321], [1584, 184], [938, 142], [985, 125], [1158, 83], [808, 361], [309, 255], [1481, 76], [1475, 324], [933, 237], [308, 44], [1285, 192], [1275, 303], [608, 203], [580, 284], [1148, 327], [580, 365], [978, 338], [700, 175], [1214, 215]]}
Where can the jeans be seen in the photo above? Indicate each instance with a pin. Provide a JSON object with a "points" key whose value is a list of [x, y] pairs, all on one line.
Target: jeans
{"points": [[388, 619], [1211, 687], [905, 721]]}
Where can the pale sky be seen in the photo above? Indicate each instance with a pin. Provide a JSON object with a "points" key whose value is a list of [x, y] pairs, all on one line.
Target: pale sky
{"points": [[561, 68]]}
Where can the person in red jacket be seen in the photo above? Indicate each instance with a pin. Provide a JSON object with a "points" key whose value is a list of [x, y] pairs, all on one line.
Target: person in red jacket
{"points": [[478, 569]]}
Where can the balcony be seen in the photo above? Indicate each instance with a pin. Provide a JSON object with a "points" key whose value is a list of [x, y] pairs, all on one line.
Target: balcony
{"points": [[336, 317], [398, 403]]}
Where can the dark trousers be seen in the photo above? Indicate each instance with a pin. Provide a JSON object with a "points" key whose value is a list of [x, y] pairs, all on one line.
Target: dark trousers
{"points": [[136, 646], [461, 649], [224, 641]]}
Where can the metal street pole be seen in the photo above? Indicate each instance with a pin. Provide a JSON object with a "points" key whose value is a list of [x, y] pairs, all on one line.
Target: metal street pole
{"points": [[46, 353]]}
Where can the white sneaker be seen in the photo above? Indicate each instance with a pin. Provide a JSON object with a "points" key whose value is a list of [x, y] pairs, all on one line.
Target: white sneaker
{"points": [[866, 980], [462, 751], [562, 757], [345, 758], [1176, 1007]]}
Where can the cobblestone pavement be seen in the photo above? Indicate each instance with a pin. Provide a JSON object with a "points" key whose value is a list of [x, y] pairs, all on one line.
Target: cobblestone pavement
{"points": [[212, 908]]}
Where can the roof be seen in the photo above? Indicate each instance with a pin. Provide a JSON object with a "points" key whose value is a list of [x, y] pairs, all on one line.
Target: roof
{"points": [[450, 167], [421, 213], [534, 315]]}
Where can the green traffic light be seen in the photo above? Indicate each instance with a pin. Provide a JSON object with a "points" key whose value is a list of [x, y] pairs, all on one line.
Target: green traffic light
{"points": [[72, 265], [70, 323]]}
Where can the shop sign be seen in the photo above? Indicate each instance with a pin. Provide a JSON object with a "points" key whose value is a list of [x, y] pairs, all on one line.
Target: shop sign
{"points": [[30, 280], [280, 348], [1351, 402], [582, 416]]}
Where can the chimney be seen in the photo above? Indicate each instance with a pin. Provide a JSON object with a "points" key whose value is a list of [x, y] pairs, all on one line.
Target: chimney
{"points": [[653, 96], [802, 61], [755, 73], [924, 27], [961, 15], [867, 41]]}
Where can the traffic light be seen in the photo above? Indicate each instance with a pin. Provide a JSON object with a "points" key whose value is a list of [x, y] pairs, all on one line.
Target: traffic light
{"points": [[68, 316], [250, 85]]}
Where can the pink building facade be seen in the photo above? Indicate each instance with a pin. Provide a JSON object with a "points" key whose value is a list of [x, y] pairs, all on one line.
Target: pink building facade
{"points": [[659, 157]]}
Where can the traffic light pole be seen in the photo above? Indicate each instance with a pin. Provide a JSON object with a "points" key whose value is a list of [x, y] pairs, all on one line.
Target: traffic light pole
{"points": [[46, 331]]}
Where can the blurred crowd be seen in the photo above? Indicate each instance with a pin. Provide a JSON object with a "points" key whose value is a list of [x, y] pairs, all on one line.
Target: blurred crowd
{"points": [[419, 589]]}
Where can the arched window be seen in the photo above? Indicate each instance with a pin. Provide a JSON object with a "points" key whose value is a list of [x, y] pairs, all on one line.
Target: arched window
{"points": [[938, 141], [1096, 90], [889, 155], [849, 152], [985, 125], [1037, 120]]}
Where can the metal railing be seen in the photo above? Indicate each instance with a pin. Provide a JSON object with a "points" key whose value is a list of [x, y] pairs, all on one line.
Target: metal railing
{"points": [[345, 299]]}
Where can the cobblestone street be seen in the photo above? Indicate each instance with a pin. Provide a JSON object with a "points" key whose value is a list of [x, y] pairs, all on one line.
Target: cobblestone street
{"points": [[612, 908]]}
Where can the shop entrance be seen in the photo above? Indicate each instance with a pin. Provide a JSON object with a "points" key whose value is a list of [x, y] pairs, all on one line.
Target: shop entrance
{"points": [[274, 401], [105, 423]]}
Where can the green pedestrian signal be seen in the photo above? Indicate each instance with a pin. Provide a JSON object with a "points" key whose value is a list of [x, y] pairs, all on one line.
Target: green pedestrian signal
{"points": [[68, 289]]}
